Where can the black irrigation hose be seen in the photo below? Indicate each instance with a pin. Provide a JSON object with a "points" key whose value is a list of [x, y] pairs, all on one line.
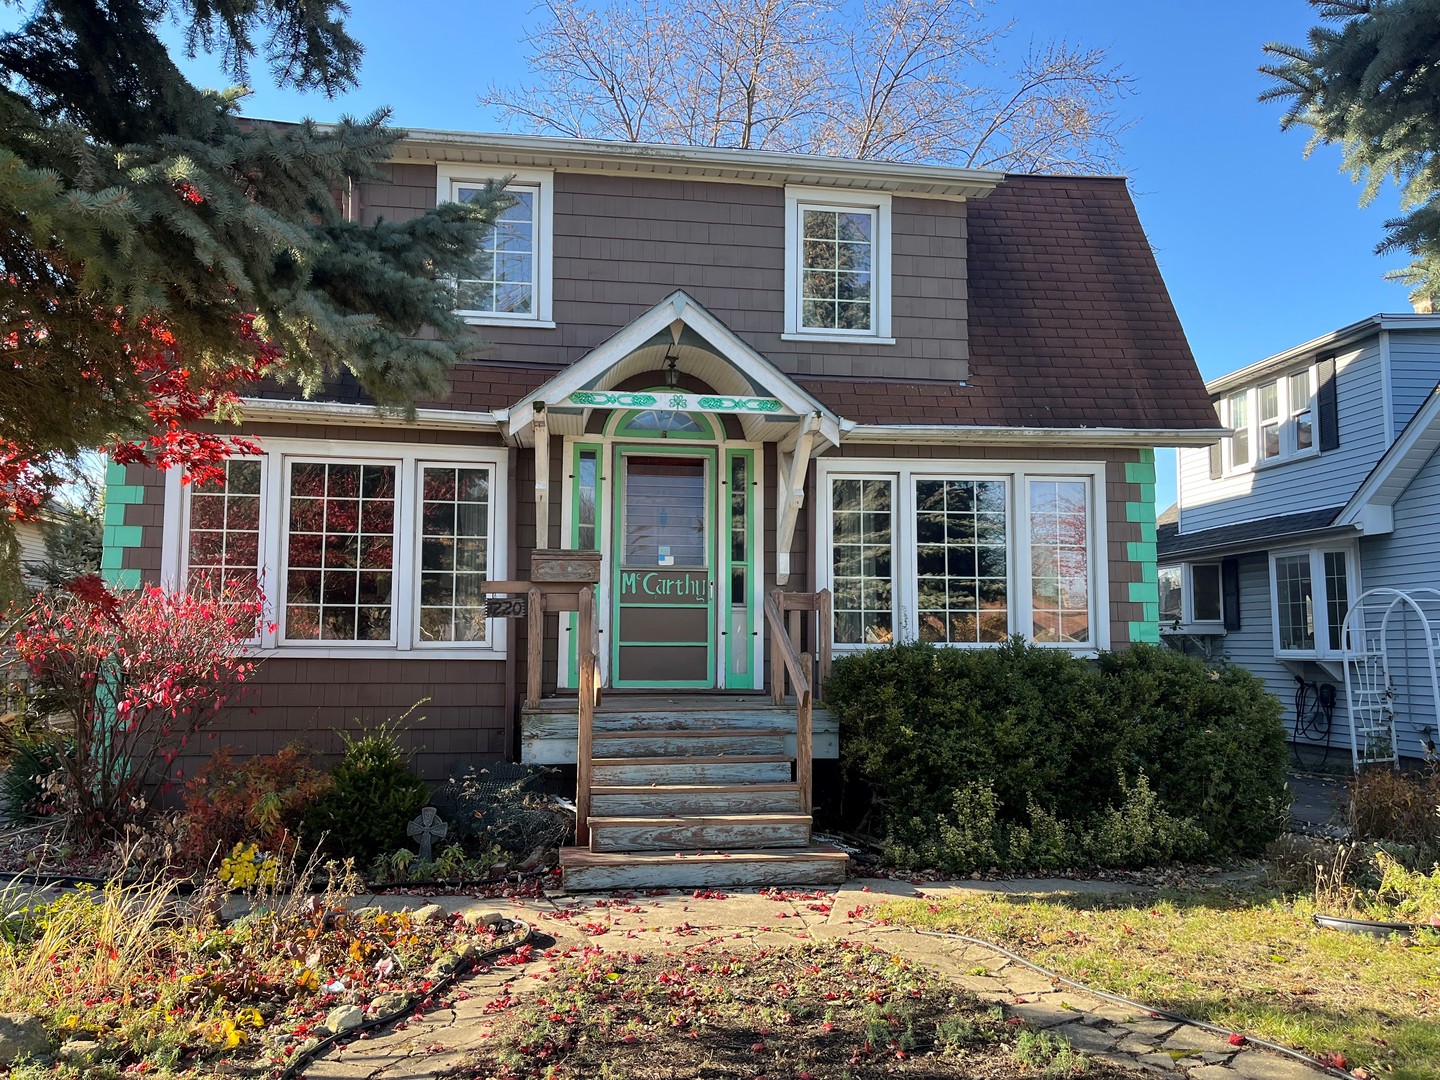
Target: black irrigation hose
{"points": [[301, 1060], [1250, 1040]]}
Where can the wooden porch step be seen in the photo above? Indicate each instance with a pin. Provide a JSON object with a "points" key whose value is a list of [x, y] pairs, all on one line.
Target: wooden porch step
{"points": [[547, 733], [699, 741], [734, 769], [617, 800], [699, 832], [816, 864]]}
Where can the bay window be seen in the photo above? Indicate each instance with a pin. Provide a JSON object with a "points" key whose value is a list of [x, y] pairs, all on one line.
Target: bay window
{"points": [[1312, 591], [962, 553], [382, 550]]}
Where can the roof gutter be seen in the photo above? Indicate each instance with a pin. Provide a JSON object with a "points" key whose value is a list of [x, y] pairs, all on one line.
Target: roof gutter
{"points": [[765, 166], [327, 412], [964, 435]]}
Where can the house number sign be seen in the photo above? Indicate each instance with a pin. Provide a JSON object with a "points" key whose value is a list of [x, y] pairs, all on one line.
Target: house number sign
{"points": [[508, 609]]}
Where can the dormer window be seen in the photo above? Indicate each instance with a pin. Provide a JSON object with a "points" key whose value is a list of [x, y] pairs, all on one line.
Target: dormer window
{"points": [[510, 277], [1273, 422], [837, 266]]}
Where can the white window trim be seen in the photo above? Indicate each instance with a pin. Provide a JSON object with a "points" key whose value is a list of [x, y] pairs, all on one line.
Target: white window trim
{"points": [[448, 174], [878, 203], [1319, 595], [1286, 419], [1188, 623], [1018, 476], [277, 455]]}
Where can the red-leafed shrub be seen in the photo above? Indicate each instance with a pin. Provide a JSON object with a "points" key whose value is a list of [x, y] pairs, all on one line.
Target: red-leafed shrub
{"points": [[132, 678], [262, 800]]}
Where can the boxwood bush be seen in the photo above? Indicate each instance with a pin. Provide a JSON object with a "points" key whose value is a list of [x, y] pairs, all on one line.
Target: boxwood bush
{"points": [[1026, 758]]}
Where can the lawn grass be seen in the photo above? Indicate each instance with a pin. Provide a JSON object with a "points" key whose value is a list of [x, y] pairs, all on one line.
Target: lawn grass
{"points": [[1250, 961], [802, 1012]]}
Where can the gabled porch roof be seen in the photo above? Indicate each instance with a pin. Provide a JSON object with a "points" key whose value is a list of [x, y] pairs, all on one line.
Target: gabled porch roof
{"points": [[770, 406]]}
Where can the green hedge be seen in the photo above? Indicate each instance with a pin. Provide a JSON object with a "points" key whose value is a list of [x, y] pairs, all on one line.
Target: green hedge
{"points": [[1026, 758]]}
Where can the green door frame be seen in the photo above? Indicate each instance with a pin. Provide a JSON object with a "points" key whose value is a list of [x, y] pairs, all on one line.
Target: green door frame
{"points": [[711, 457]]}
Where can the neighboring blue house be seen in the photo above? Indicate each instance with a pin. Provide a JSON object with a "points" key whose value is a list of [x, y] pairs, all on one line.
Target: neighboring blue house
{"points": [[1327, 492]]}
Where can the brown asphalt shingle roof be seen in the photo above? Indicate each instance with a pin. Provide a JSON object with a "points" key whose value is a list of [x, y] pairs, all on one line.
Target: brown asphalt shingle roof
{"points": [[1070, 323], [1070, 326]]}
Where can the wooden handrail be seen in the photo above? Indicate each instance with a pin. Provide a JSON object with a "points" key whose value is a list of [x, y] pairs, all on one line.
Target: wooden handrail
{"points": [[784, 659]]}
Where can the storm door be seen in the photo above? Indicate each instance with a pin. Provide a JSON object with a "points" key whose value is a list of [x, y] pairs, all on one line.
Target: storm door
{"points": [[663, 588]]}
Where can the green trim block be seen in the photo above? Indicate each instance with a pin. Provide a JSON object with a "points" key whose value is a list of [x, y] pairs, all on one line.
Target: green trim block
{"points": [[118, 536], [1145, 592], [1145, 633]]}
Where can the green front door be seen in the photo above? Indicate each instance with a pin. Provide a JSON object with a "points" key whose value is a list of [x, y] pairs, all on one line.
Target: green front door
{"points": [[663, 588]]}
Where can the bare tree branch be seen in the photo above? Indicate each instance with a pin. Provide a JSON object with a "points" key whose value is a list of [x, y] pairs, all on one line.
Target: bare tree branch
{"points": [[899, 80]]}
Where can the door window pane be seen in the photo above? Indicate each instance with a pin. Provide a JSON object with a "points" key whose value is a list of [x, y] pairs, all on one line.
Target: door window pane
{"points": [[962, 569], [586, 480], [664, 512], [1205, 592], [340, 551], [454, 552], [861, 518], [1295, 603], [1060, 561]]}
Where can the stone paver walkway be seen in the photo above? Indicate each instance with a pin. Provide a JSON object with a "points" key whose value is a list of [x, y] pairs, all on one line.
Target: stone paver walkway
{"points": [[438, 1042]]}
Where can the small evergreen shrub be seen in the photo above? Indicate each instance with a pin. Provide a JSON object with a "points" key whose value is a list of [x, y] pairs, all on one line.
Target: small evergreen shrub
{"points": [[373, 796], [25, 796], [1024, 758], [263, 800]]}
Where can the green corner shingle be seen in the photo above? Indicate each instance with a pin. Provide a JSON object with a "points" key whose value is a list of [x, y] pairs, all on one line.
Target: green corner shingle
{"points": [[1145, 633], [121, 579], [114, 473], [1145, 592]]}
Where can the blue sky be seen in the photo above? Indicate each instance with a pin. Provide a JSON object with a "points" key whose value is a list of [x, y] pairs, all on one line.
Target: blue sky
{"points": [[1261, 247]]}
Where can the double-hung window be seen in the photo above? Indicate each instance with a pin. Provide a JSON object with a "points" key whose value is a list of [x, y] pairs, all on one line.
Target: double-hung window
{"points": [[510, 275], [1312, 592], [1191, 597], [963, 553], [381, 547], [837, 265], [1274, 421]]}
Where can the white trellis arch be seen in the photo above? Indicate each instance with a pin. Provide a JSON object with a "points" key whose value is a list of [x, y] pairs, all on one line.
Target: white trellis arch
{"points": [[1382, 647]]}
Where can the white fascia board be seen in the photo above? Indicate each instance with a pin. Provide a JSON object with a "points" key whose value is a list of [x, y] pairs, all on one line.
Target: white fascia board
{"points": [[1346, 335], [329, 412], [701, 162], [960, 434], [1400, 464]]}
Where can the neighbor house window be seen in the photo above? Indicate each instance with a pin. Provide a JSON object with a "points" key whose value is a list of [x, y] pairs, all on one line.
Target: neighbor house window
{"points": [[1312, 591], [1190, 595], [510, 275], [1273, 421], [382, 550], [837, 256], [962, 558]]}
